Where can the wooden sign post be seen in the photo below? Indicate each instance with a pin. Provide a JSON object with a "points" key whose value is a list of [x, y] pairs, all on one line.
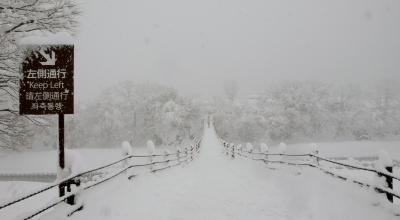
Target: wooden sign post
{"points": [[47, 87]]}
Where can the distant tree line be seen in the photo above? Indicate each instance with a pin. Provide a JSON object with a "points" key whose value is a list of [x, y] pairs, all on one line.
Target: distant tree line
{"points": [[130, 112], [301, 111]]}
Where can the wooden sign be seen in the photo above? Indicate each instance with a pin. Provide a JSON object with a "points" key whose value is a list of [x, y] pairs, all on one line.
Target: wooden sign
{"points": [[47, 87], [47, 83]]}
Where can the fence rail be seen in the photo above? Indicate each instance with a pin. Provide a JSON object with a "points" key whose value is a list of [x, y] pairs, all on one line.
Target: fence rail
{"points": [[233, 150], [168, 159]]}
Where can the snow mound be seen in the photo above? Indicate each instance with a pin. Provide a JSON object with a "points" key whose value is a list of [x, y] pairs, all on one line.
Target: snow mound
{"points": [[150, 147], [126, 148], [264, 147], [74, 161], [74, 164], [282, 148], [314, 149]]}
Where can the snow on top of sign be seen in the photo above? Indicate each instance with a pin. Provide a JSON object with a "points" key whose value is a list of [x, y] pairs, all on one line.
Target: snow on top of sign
{"points": [[47, 38]]}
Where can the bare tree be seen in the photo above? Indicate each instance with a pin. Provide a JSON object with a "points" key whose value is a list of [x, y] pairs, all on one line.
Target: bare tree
{"points": [[20, 18]]}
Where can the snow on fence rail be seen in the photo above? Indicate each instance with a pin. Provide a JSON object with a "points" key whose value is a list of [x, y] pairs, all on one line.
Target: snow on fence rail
{"points": [[169, 160], [314, 160]]}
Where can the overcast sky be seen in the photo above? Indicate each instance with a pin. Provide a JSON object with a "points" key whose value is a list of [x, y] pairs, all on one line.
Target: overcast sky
{"points": [[194, 45]]}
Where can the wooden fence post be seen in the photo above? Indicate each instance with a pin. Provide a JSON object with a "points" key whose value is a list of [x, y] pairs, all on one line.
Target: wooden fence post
{"points": [[71, 198], [389, 182], [61, 156], [385, 162]]}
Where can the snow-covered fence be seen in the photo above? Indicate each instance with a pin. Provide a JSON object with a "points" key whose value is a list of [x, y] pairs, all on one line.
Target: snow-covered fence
{"points": [[313, 159], [84, 180]]}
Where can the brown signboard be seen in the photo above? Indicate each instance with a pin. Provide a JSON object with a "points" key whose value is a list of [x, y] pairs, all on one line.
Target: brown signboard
{"points": [[47, 83]]}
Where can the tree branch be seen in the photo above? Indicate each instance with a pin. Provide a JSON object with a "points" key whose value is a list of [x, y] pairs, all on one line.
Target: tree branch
{"points": [[19, 25]]}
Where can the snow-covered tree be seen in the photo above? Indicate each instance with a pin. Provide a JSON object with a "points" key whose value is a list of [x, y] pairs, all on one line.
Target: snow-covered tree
{"points": [[294, 110], [136, 113], [22, 18]]}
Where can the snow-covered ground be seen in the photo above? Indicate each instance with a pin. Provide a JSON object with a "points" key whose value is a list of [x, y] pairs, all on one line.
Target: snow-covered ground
{"points": [[351, 148], [11, 190], [217, 187], [45, 161]]}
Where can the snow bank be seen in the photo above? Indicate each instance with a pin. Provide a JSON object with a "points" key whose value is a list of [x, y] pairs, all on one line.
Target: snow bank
{"points": [[126, 149]]}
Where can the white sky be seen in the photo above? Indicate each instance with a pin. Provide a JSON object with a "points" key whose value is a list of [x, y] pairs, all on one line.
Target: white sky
{"points": [[194, 45]]}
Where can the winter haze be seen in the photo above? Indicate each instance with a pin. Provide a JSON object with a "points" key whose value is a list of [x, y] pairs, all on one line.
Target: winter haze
{"points": [[207, 109], [196, 45]]}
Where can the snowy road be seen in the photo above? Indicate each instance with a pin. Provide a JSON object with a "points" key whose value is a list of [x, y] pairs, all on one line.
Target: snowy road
{"points": [[216, 187]]}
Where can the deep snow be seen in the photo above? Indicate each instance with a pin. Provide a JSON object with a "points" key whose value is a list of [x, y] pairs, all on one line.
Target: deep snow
{"points": [[217, 187]]}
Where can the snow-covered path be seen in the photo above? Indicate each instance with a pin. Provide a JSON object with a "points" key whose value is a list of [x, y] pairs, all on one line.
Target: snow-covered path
{"points": [[217, 187]]}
